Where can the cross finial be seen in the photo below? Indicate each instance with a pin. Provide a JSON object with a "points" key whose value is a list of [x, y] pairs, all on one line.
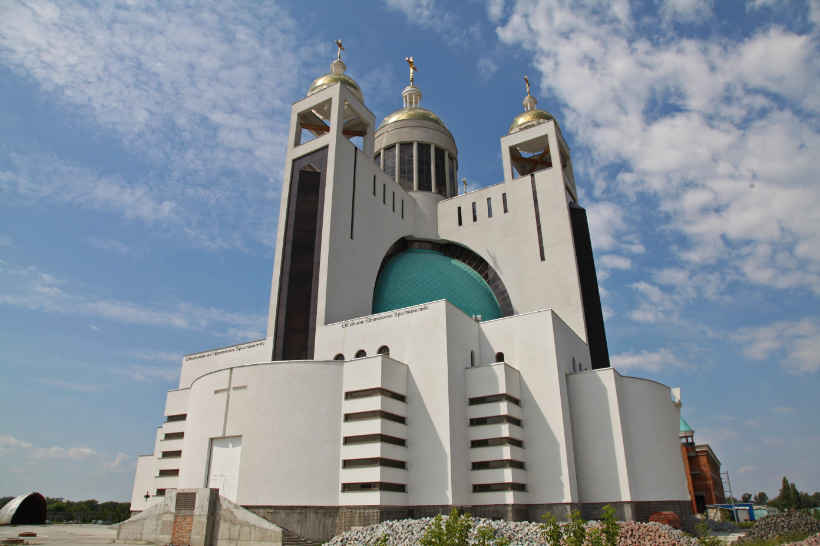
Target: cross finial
{"points": [[341, 48], [464, 181], [527, 81], [412, 68]]}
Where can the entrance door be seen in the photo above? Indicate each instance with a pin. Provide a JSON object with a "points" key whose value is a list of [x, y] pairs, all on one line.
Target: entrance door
{"points": [[224, 466]]}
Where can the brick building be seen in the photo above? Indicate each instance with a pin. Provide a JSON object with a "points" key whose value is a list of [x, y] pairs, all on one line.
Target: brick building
{"points": [[702, 471]]}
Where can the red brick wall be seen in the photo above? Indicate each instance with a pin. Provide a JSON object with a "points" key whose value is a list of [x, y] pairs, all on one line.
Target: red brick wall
{"points": [[181, 535]]}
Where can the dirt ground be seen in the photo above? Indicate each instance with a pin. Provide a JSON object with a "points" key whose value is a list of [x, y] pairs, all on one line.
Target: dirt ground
{"points": [[62, 534]]}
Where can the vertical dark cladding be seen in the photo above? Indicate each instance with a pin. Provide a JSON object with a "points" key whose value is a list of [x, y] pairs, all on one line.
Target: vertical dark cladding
{"points": [[593, 316], [299, 278]]}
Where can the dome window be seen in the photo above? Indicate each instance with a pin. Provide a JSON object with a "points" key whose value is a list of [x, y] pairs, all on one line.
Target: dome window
{"points": [[339, 356], [361, 353], [384, 350], [499, 357]]}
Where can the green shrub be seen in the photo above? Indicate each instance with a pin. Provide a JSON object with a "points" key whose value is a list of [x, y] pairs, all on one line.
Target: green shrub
{"points": [[551, 531], [575, 531]]}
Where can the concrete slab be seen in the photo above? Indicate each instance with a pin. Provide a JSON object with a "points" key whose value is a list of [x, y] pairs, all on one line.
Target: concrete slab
{"points": [[62, 534]]}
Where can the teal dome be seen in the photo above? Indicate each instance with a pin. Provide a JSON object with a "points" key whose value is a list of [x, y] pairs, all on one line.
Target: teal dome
{"points": [[684, 426], [421, 276]]}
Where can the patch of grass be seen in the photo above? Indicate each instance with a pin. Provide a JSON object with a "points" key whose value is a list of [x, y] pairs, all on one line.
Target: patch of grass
{"points": [[746, 524]]}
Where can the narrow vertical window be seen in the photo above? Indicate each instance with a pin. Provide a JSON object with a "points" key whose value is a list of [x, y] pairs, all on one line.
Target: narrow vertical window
{"points": [[374, 184], [390, 162], [377, 159], [475, 212], [425, 166], [402, 209], [441, 174], [489, 207], [406, 165], [384, 194], [394, 201], [537, 218], [504, 202], [451, 175], [353, 194], [459, 215]]}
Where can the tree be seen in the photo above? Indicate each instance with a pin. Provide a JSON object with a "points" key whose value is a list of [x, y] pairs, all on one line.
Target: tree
{"points": [[761, 498], [785, 497], [794, 496], [746, 497]]}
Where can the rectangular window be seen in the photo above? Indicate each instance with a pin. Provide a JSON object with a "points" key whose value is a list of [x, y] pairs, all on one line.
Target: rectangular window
{"points": [[441, 174], [451, 175], [384, 194], [394, 201], [505, 441], [169, 472], [374, 461], [402, 209], [487, 487], [173, 436], [504, 202], [374, 438], [377, 159], [494, 398], [390, 162], [489, 207], [459, 215], [160, 493], [375, 414], [475, 212], [495, 420], [374, 486], [377, 391], [171, 454], [406, 166], [501, 463], [425, 165], [179, 417], [374, 185]]}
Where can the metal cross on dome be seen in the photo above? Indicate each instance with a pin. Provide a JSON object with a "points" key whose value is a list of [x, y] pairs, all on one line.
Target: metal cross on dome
{"points": [[341, 48], [412, 67]]}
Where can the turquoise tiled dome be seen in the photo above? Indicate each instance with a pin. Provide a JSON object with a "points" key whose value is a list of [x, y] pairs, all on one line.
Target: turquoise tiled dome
{"points": [[422, 276]]}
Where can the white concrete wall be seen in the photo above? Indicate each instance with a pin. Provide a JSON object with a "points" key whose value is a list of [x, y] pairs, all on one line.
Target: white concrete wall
{"points": [[651, 425]]}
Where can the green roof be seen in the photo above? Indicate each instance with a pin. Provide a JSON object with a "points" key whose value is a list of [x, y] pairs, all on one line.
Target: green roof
{"points": [[421, 276], [684, 426]]}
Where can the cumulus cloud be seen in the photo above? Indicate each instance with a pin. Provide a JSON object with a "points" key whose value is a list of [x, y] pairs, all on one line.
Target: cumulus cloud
{"points": [[11, 446], [748, 469], [652, 361], [29, 288], [430, 14], [196, 90], [795, 344], [717, 135]]}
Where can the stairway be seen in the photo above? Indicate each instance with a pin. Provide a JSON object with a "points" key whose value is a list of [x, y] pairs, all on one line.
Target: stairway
{"points": [[289, 538]]}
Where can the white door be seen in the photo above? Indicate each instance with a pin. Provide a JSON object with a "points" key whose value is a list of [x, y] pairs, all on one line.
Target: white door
{"points": [[224, 467]]}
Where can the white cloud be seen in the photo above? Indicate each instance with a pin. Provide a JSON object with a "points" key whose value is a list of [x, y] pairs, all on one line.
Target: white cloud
{"points": [[109, 244], [718, 135], [646, 360], [784, 410], [748, 469], [10, 446], [31, 289], [686, 10], [613, 261], [70, 385], [198, 91], [795, 344], [429, 14]]}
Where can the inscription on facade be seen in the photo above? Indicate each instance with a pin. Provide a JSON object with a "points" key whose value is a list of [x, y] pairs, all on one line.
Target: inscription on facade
{"points": [[234, 349], [384, 316]]}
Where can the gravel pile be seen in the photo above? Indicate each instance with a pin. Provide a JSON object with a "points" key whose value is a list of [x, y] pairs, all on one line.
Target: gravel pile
{"points": [[782, 524], [811, 541], [408, 532]]}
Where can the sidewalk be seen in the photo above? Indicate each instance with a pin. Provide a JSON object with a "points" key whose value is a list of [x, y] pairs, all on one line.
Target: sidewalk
{"points": [[62, 534]]}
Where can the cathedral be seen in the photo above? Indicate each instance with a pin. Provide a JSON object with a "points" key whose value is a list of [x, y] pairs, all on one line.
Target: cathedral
{"points": [[427, 346]]}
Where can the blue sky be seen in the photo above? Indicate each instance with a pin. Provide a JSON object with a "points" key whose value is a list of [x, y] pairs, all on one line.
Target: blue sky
{"points": [[141, 156]]}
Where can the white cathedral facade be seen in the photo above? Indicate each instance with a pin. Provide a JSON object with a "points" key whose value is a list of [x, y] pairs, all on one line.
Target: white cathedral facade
{"points": [[425, 348]]}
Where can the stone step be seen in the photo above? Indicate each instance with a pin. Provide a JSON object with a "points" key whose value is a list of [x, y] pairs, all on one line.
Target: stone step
{"points": [[289, 538]]}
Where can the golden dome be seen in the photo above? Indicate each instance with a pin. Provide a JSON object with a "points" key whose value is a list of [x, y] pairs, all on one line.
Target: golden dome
{"points": [[329, 79], [412, 112], [530, 118]]}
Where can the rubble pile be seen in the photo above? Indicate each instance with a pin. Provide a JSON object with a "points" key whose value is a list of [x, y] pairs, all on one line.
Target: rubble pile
{"points": [[722, 526], [781, 525]]}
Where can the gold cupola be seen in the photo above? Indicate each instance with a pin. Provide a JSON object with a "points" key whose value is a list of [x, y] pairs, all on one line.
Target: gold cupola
{"points": [[531, 115], [337, 75]]}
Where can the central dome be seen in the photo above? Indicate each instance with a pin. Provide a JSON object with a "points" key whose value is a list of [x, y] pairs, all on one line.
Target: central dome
{"points": [[413, 112], [421, 276]]}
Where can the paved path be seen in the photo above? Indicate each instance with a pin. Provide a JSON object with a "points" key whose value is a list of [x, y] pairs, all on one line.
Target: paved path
{"points": [[62, 534]]}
